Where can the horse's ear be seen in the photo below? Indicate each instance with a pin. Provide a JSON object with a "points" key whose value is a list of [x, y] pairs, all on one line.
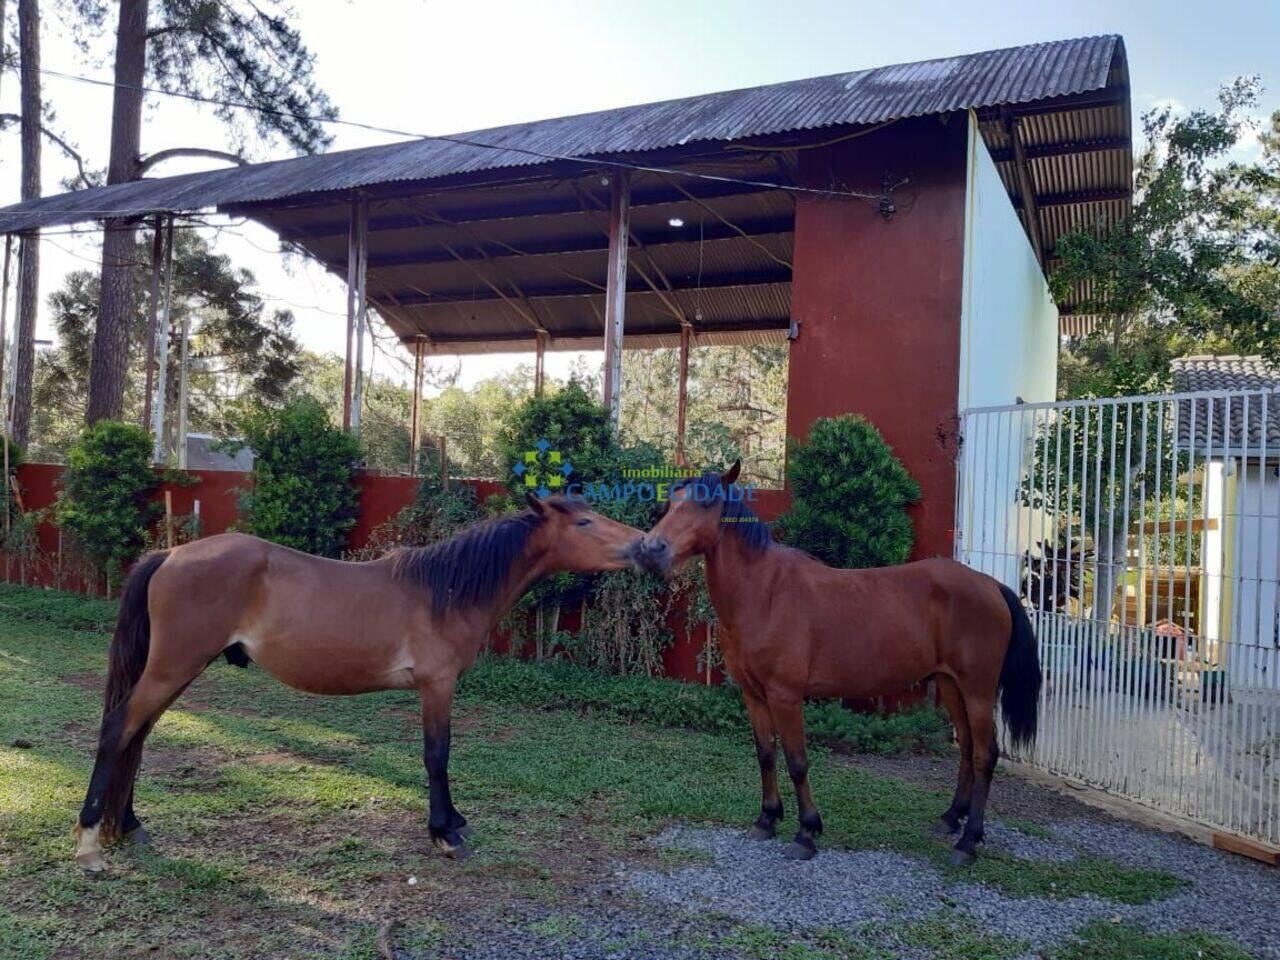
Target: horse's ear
{"points": [[535, 503], [730, 476]]}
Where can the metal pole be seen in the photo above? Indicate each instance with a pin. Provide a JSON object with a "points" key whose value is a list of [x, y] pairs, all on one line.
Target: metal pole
{"points": [[417, 405], [162, 351], [157, 257], [361, 308], [182, 390], [4, 317], [615, 298], [682, 400]]}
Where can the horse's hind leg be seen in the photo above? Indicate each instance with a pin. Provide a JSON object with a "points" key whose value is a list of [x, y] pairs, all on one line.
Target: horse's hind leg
{"points": [[952, 699], [116, 767], [788, 717], [770, 803], [982, 729]]}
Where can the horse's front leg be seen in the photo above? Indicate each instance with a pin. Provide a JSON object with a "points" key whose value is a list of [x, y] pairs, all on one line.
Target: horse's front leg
{"points": [[447, 826]]}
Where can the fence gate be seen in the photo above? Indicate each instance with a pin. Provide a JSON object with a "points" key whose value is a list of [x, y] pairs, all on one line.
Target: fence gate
{"points": [[1144, 535]]}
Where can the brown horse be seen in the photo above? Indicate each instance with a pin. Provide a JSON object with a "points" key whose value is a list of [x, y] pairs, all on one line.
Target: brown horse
{"points": [[793, 628], [413, 620]]}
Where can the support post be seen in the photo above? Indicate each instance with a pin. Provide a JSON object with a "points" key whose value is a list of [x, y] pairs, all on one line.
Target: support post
{"points": [[415, 414], [153, 306], [357, 313], [615, 297], [4, 318], [11, 371], [682, 396], [444, 461], [162, 351], [539, 363], [183, 374]]}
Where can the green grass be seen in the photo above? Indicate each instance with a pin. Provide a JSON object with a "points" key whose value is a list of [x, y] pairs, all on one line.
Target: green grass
{"points": [[288, 825], [1122, 941]]}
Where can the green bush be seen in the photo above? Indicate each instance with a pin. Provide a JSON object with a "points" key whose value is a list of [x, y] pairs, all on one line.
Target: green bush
{"points": [[104, 501], [849, 495], [560, 685], [302, 494]]}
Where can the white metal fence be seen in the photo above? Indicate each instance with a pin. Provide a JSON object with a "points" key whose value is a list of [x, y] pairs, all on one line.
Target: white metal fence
{"points": [[1144, 535]]}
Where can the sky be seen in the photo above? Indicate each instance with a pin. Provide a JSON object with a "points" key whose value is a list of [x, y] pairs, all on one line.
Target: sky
{"points": [[446, 67]]}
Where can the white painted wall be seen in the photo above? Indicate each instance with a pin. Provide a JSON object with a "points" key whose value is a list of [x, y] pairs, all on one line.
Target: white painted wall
{"points": [[1008, 351], [1009, 323]]}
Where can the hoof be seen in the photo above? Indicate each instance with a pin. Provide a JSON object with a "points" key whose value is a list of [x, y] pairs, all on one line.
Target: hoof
{"points": [[757, 832], [138, 835], [799, 851], [455, 850], [91, 862], [963, 858], [944, 829]]}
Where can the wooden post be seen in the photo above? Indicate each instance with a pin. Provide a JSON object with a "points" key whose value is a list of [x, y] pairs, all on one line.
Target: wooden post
{"points": [[153, 306], [415, 414], [168, 518], [539, 363], [357, 312], [444, 462], [4, 317], [682, 396], [162, 351], [615, 297], [6, 496]]}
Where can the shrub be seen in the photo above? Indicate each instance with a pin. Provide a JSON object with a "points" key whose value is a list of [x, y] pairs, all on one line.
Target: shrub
{"points": [[849, 496], [104, 501], [302, 493]]}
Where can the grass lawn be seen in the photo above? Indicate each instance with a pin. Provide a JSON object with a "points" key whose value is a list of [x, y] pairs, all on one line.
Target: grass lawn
{"points": [[289, 826]]}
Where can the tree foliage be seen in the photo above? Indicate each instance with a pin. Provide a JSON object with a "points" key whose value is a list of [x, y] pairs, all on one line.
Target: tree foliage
{"points": [[104, 501], [1195, 267], [302, 494], [849, 496], [239, 347]]}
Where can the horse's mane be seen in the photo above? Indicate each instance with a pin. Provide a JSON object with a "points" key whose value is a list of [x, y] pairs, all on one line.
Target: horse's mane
{"points": [[737, 516], [470, 568]]}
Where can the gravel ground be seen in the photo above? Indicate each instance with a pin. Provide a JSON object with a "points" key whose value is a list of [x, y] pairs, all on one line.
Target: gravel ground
{"points": [[691, 912]]}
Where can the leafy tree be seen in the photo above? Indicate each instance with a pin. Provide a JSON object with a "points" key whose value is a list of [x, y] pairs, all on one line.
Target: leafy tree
{"points": [[236, 51], [1196, 266], [105, 494], [302, 494], [849, 496], [238, 346]]}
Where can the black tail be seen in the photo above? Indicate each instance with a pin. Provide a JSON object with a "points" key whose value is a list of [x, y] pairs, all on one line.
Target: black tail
{"points": [[128, 657], [1020, 676]]}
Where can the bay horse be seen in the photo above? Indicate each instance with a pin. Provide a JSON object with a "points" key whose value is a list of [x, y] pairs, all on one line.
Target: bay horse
{"points": [[413, 620], [792, 628]]}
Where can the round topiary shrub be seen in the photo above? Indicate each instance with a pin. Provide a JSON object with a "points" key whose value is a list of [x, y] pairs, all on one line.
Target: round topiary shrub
{"points": [[104, 502], [849, 495], [302, 494]]}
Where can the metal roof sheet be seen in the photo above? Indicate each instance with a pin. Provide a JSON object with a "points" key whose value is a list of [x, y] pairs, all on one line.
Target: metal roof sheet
{"points": [[1015, 75]]}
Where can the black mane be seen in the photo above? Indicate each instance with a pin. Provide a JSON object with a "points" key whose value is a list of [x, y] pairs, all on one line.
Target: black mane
{"points": [[737, 516], [471, 568]]}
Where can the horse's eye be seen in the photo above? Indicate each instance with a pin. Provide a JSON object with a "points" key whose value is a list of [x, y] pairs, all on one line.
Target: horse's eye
{"points": [[583, 522]]}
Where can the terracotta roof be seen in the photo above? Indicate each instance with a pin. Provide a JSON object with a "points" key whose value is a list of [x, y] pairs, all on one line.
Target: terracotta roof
{"points": [[1245, 418]]}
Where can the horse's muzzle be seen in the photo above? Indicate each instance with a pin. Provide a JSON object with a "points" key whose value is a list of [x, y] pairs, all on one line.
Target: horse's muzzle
{"points": [[654, 555]]}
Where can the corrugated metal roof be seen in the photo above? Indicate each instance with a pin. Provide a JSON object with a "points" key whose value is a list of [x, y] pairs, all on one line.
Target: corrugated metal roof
{"points": [[1012, 76]]}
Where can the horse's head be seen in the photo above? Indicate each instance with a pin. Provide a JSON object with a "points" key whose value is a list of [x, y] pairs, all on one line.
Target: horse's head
{"points": [[580, 540], [692, 522]]}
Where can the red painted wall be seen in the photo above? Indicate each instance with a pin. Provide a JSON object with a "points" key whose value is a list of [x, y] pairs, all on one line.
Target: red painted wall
{"points": [[879, 302]]}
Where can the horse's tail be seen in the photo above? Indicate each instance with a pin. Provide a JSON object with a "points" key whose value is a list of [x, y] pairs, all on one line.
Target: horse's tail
{"points": [[1020, 676], [128, 657]]}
